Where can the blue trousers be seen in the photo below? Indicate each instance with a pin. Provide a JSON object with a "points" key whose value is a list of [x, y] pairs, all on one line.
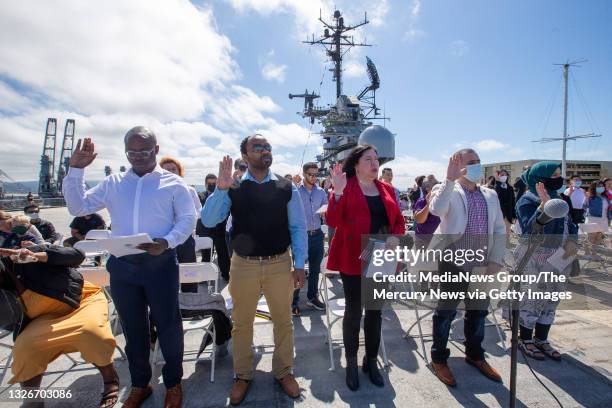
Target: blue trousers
{"points": [[315, 256], [473, 326], [143, 283]]}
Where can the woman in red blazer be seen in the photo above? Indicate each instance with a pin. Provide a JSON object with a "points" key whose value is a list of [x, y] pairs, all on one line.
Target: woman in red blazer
{"points": [[359, 205]]}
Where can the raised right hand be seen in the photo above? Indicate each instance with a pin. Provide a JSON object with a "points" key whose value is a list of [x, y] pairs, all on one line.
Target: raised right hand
{"points": [[338, 178], [83, 156], [542, 193], [225, 179], [454, 170]]}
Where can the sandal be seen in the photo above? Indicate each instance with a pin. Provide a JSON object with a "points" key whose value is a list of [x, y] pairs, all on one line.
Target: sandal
{"points": [[531, 349], [545, 347], [110, 398]]}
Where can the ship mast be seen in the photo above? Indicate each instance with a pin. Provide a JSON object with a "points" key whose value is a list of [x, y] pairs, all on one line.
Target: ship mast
{"points": [[337, 43]]}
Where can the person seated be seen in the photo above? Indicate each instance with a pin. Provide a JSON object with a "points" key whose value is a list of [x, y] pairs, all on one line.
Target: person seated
{"points": [[19, 231], [46, 228], [80, 226], [65, 314]]}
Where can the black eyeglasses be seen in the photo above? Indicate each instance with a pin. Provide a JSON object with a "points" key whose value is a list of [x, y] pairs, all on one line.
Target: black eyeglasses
{"points": [[135, 154], [258, 148], [311, 174], [242, 167]]}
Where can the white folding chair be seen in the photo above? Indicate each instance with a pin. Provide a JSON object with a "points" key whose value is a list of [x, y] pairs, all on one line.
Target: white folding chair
{"points": [[197, 272], [9, 359], [98, 234], [336, 307]]}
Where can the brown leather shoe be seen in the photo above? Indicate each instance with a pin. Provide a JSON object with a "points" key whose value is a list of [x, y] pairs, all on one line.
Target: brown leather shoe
{"points": [[239, 391], [485, 369], [137, 396], [174, 397], [290, 386], [444, 374]]}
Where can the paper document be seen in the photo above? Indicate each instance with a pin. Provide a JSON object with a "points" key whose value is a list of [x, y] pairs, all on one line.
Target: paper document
{"points": [[557, 260], [126, 245], [386, 267], [322, 210]]}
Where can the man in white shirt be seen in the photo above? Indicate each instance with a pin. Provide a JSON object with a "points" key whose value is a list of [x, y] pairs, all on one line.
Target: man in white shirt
{"points": [[577, 196], [145, 199]]}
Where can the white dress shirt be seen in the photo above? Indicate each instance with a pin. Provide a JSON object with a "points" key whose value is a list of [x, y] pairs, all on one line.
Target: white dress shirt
{"points": [[196, 200], [158, 203]]}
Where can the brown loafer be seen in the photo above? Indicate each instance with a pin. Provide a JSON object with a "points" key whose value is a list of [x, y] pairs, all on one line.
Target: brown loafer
{"points": [[485, 369], [174, 397], [239, 391], [137, 396], [290, 386], [444, 374]]}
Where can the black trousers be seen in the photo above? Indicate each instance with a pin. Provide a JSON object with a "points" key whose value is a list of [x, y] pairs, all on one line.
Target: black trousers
{"points": [[142, 282], [352, 320]]}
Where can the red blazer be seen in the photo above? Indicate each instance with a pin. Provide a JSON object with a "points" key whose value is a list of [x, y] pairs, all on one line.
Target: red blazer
{"points": [[350, 215]]}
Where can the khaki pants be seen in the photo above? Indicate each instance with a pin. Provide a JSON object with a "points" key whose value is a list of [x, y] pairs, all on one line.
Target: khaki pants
{"points": [[248, 279]]}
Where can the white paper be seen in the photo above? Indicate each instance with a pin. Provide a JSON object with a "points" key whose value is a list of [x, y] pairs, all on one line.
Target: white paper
{"points": [[322, 210], [557, 260], [125, 245]]}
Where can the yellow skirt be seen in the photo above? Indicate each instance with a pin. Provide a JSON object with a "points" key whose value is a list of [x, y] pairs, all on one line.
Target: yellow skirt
{"points": [[58, 329]]}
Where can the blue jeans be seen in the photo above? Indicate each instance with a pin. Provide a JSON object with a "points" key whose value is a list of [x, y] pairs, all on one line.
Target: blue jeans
{"points": [[140, 283], [315, 256], [474, 321]]}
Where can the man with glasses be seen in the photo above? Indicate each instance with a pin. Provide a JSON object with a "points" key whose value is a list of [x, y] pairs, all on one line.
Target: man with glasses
{"points": [[268, 217], [313, 198], [46, 228], [145, 199]]}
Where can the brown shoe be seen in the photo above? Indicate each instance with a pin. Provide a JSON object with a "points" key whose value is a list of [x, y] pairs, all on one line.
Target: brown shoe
{"points": [[444, 374], [290, 386], [485, 369], [174, 397], [137, 396], [239, 391]]}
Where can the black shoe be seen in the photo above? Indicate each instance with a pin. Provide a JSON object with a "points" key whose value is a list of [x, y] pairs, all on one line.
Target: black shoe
{"points": [[352, 374], [370, 366], [296, 311], [316, 304]]}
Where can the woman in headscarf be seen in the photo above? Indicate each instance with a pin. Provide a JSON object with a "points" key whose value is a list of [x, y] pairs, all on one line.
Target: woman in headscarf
{"points": [[544, 182], [65, 314]]}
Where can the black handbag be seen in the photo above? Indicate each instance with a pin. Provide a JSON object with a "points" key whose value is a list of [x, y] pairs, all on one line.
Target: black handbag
{"points": [[12, 315]]}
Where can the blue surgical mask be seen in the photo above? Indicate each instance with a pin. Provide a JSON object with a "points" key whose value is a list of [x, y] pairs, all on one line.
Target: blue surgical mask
{"points": [[474, 172], [599, 190], [577, 183]]}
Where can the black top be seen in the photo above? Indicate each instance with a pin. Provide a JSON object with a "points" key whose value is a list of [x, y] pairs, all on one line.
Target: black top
{"points": [[260, 222], [47, 230], [84, 225], [378, 215], [506, 200]]}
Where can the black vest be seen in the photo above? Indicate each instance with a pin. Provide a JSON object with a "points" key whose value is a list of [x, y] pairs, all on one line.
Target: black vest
{"points": [[260, 223]]}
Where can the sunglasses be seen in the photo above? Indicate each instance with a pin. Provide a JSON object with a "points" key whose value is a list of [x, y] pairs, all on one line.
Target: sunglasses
{"points": [[242, 167], [312, 174], [258, 148], [144, 154]]}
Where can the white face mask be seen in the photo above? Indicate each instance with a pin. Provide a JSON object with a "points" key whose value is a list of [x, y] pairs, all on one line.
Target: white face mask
{"points": [[474, 172], [34, 216], [503, 179]]}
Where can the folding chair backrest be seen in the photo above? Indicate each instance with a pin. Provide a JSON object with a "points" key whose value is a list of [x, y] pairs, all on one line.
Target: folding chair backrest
{"points": [[90, 248], [203, 243], [324, 266], [196, 272], [98, 234]]}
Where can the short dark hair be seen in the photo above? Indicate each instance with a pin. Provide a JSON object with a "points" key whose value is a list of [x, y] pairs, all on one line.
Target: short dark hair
{"points": [[30, 206], [593, 188], [351, 161], [244, 142], [209, 176], [239, 162], [288, 176], [310, 165], [419, 180], [387, 169], [466, 151], [140, 131]]}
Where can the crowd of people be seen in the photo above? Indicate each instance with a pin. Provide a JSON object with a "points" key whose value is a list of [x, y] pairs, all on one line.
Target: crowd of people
{"points": [[265, 229]]}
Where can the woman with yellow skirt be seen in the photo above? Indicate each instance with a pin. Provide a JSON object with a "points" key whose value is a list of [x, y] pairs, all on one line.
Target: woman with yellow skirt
{"points": [[64, 315]]}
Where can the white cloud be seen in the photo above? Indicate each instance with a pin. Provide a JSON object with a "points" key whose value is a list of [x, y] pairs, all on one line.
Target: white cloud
{"points": [[458, 48], [354, 69], [123, 64], [415, 9], [489, 145], [413, 32], [274, 72], [407, 168]]}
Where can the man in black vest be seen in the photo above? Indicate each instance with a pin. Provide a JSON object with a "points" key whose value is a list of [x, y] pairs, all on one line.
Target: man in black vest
{"points": [[268, 217]]}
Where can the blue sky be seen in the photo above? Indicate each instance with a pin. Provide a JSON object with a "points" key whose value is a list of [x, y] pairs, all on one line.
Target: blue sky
{"points": [[453, 74]]}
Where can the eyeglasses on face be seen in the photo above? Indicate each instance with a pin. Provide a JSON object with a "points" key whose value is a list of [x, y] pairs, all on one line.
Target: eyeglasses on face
{"points": [[142, 154], [311, 174], [258, 148]]}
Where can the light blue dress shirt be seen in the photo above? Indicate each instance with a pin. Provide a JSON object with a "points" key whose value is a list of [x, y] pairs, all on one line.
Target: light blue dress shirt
{"points": [[218, 204], [312, 201], [158, 203]]}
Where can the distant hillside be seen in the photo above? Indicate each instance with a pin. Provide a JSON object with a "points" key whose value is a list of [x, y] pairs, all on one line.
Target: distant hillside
{"points": [[12, 188]]}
